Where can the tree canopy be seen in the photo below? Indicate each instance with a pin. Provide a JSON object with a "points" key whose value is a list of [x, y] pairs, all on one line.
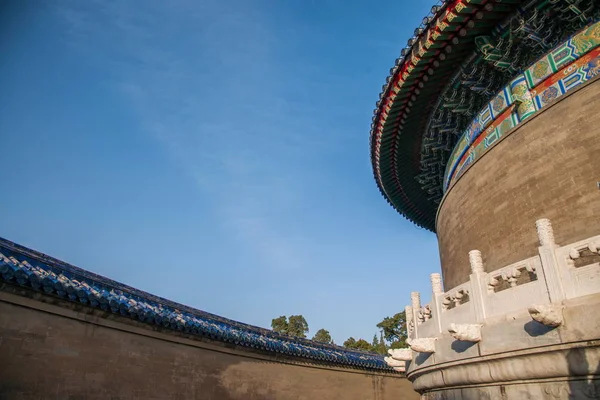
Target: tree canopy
{"points": [[360, 344], [378, 344], [322, 336], [394, 329], [295, 325], [280, 324], [392, 333]]}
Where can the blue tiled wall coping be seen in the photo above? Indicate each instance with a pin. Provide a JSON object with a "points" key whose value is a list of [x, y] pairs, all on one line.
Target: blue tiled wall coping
{"points": [[25, 267]]}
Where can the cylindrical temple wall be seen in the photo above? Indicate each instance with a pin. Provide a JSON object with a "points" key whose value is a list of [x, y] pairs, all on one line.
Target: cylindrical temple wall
{"points": [[546, 168]]}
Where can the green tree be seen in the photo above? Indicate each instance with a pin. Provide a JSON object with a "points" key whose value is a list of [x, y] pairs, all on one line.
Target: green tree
{"points": [[322, 336], [280, 324], [360, 344], [378, 344], [394, 329], [297, 326], [350, 343], [382, 346]]}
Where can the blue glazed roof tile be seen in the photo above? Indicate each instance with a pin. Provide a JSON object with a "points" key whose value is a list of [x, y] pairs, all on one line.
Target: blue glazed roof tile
{"points": [[28, 268]]}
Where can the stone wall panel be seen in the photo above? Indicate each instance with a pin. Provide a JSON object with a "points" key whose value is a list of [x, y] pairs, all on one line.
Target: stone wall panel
{"points": [[52, 352]]}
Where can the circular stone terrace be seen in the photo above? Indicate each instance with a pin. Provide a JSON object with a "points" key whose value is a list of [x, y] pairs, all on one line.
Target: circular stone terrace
{"points": [[459, 61]]}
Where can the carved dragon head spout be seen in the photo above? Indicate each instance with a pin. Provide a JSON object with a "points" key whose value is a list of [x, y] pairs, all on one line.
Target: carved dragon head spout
{"points": [[466, 332], [549, 314], [422, 345], [401, 354], [392, 362]]}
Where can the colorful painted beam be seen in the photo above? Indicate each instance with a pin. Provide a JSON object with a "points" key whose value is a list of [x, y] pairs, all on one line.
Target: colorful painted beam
{"points": [[580, 62]]}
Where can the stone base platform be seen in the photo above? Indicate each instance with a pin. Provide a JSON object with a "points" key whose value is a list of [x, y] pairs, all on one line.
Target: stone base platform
{"points": [[529, 330], [519, 358]]}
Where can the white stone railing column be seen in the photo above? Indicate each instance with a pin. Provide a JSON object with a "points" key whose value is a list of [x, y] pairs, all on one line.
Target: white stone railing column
{"points": [[436, 284], [415, 301], [478, 280], [410, 322], [550, 268], [436, 299]]}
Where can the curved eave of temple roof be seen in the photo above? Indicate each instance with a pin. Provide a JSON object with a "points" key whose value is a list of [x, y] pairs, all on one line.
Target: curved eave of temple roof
{"points": [[32, 270], [428, 66], [427, 63]]}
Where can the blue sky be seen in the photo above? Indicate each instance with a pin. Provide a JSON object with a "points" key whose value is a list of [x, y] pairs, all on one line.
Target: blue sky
{"points": [[213, 152]]}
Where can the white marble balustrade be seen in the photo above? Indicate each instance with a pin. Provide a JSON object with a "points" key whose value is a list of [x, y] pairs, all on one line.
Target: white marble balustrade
{"points": [[557, 273]]}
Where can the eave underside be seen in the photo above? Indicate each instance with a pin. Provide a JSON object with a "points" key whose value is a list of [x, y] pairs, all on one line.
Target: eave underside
{"points": [[409, 157]]}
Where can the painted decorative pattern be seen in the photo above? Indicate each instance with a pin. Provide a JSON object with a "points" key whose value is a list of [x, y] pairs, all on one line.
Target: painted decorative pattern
{"points": [[486, 116], [579, 58], [578, 45], [488, 138], [457, 153], [523, 98], [572, 76], [36, 271]]}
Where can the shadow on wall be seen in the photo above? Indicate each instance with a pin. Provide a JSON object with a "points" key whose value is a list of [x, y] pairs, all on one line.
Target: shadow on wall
{"points": [[589, 386]]}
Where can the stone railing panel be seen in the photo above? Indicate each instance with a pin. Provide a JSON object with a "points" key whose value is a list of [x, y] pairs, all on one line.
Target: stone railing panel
{"points": [[579, 264], [456, 307], [424, 314], [514, 275], [457, 315], [512, 287], [456, 298], [517, 298], [428, 328]]}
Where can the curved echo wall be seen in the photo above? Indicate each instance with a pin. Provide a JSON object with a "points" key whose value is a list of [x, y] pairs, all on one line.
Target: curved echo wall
{"points": [[56, 349], [547, 167]]}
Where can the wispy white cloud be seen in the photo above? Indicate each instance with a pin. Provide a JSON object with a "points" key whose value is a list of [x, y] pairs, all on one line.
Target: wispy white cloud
{"points": [[238, 133]]}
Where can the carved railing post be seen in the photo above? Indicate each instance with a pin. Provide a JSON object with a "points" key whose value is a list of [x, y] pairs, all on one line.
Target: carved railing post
{"points": [[550, 268], [476, 261], [478, 279], [545, 232], [410, 323], [436, 284], [415, 300], [436, 298]]}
